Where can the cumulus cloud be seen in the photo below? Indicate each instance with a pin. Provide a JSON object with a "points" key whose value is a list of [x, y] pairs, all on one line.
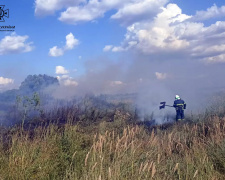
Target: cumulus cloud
{"points": [[46, 7], [127, 11], [138, 10], [123, 47], [118, 49], [6, 84], [211, 12], [79, 14], [14, 44], [55, 51], [6, 81], [153, 26], [215, 59], [61, 70], [177, 34], [157, 35], [66, 80], [71, 42], [107, 48]]}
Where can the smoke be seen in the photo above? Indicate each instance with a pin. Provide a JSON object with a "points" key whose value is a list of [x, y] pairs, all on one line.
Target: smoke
{"points": [[192, 80], [153, 79]]}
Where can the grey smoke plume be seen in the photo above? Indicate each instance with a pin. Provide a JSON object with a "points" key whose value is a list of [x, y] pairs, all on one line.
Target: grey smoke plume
{"points": [[154, 79]]}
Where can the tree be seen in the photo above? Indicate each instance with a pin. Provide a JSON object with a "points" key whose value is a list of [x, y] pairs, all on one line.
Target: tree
{"points": [[36, 83]]}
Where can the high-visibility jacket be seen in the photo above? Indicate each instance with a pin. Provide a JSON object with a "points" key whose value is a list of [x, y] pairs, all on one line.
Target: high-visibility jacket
{"points": [[179, 104]]}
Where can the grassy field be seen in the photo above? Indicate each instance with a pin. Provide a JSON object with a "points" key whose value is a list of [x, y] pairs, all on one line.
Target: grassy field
{"points": [[115, 150], [103, 138]]}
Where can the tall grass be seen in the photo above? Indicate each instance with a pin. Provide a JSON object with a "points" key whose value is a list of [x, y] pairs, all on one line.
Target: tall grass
{"points": [[183, 151]]}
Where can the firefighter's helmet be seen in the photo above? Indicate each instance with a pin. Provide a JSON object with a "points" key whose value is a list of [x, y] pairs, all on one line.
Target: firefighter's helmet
{"points": [[177, 97]]}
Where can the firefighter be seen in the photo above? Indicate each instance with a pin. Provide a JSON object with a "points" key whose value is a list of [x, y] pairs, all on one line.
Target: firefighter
{"points": [[179, 105]]}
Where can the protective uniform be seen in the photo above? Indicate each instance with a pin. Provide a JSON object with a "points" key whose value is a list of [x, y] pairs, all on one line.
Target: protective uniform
{"points": [[179, 105]]}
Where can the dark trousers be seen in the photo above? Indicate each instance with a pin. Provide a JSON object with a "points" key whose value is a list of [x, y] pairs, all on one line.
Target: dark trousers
{"points": [[180, 115]]}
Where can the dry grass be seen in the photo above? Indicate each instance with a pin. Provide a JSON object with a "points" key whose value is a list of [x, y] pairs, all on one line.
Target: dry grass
{"points": [[177, 154], [185, 151]]}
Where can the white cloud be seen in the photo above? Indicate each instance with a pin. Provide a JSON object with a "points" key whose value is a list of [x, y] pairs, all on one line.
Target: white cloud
{"points": [[127, 10], [61, 70], [46, 7], [71, 42], [6, 81], [208, 41], [153, 26], [215, 59], [138, 10], [107, 48], [15, 44], [172, 32], [66, 80], [121, 48], [208, 50], [118, 49], [64, 76], [161, 76], [81, 14], [55, 51], [211, 12], [152, 36]]}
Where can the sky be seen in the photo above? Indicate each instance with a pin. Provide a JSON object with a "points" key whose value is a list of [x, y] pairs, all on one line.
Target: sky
{"points": [[156, 47]]}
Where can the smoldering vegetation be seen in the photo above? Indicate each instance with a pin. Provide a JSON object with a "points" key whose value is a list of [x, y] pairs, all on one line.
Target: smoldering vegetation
{"points": [[38, 99], [42, 98], [106, 136]]}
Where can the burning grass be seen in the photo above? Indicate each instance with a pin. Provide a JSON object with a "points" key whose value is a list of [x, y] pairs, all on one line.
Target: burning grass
{"points": [[105, 151]]}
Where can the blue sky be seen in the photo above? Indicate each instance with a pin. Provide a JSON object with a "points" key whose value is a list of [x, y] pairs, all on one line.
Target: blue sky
{"points": [[114, 44]]}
